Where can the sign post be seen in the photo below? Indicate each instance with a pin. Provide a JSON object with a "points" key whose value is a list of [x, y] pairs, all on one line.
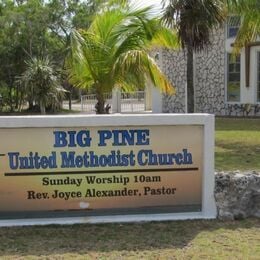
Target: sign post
{"points": [[119, 168]]}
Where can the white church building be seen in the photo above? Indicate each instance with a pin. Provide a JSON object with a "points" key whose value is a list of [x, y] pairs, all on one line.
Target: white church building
{"points": [[223, 85]]}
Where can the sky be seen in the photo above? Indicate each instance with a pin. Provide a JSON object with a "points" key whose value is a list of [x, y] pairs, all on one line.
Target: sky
{"points": [[155, 3], [149, 2]]}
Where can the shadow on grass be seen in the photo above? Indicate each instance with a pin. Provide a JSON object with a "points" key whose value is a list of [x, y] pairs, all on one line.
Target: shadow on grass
{"points": [[237, 124], [80, 239]]}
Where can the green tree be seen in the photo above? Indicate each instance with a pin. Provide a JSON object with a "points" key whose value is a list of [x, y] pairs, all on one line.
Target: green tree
{"points": [[64, 16], [41, 82], [194, 21], [114, 52], [249, 10], [36, 28], [24, 31], [10, 50]]}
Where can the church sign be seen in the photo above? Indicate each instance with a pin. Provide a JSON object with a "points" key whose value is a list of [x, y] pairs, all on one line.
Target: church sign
{"points": [[90, 168]]}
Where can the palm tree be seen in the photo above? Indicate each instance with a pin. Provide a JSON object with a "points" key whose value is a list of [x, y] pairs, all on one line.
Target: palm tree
{"points": [[249, 30], [114, 52], [41, 82], [194, 20]]}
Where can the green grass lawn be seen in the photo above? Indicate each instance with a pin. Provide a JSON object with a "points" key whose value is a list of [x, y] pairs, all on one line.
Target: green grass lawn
{"points": [[166, 240], [237, 144]]}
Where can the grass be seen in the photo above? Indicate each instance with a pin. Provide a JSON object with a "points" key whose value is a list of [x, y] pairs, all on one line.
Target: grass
{"points": [[237, 144], [166, 240]]}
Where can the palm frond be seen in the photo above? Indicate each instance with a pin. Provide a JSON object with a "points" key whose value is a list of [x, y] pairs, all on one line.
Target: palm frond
{"points": [[166, 38], [41, 79], [249, 30], [194, 20], [114, 51], [140, 65]]}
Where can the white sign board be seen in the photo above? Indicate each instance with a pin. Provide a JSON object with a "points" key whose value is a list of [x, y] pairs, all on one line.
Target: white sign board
{"points": [[74, 169]]}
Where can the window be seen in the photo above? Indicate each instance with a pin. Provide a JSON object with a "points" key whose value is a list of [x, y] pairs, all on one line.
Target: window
{"points": [[233, 26], [258, 77], [233, 78]]}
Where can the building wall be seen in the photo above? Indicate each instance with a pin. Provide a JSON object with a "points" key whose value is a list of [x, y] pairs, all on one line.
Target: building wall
{"points": [[209, 76], [173, 64], [209, 80]]}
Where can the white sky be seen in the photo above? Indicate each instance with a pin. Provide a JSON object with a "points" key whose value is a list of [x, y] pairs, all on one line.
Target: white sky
{"points": [[155, 3]]}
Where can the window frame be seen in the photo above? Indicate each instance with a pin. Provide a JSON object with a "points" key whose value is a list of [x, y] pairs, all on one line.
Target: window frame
{"points": [[232, 25], [257, 75], [228, 54]]}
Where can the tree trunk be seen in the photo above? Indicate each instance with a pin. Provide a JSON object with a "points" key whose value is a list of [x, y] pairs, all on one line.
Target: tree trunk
{"points": [[68, 87], [30, 108], [11, 99], [17, 100], [42, 108], [190, 83], [21, 101], [70, 107], [100, 106]]}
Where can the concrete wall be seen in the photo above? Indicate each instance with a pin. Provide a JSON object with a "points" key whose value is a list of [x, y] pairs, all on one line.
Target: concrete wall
{"points": [[174, 66], [209, 80], [209, 77]]}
